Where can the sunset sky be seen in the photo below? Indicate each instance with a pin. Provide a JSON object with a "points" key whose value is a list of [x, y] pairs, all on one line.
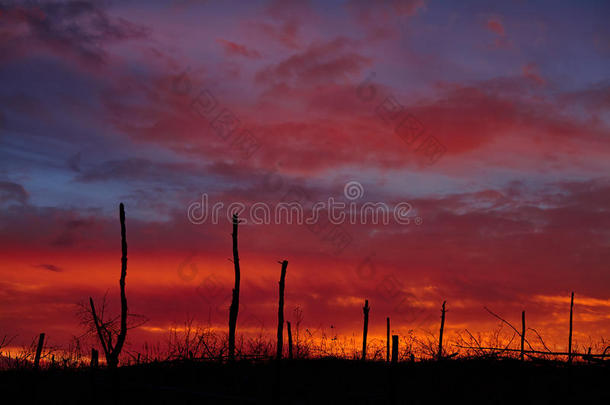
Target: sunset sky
{"points": [[116, 101]]}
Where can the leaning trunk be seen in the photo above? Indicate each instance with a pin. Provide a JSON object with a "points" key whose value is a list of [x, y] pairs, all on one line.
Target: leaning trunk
{"points": [[233, 310]]}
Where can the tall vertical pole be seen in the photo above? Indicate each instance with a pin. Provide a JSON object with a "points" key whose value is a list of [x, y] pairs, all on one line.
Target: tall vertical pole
{"points": [[387, 356], [522, 335], [280, 312], [570, 337], [365, 310], [234, 309], [440, 339]]}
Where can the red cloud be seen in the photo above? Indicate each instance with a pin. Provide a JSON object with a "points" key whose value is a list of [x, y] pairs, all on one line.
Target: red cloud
{"points": [[495, 25], [321, 62], [531, 72], [236, 49]]}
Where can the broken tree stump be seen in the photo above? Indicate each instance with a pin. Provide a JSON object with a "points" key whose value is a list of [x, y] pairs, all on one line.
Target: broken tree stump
{"points": [[440, 338], [570, 336], [94, 358], [394, 349], [522, 335], [289, 340], [39, 350], [234, 308], [387, 354], [365, 310], [280, 312]]}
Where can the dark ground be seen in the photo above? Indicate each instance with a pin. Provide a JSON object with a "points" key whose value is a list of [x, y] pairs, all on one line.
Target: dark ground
{"points": [[314, 382]]}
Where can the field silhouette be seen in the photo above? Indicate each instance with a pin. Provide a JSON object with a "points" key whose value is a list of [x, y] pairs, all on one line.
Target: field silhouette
{"points": [[202, 365]]}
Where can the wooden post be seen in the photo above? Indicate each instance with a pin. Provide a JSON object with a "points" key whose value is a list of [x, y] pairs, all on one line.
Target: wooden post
{"points": [[440, 339], [365, 310], [39, 350], [289, 340], [280, 312], [522, 335], [94, 358], [570, 337], [234, 309], [387, 355], [394, 349]]}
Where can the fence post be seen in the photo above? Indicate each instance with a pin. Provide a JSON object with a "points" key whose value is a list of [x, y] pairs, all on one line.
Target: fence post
{"points": [[394, 349], [365, 310], [522, 335], [387, 355], [570, 337], [280, 312], [39, 350], [289, 340], [440, 339], [234, 308], [94, 358]]}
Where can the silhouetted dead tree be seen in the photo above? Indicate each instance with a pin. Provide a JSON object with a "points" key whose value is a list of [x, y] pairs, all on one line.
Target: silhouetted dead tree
{"points": [[234, 309], [280, 311], [570, 336], [104, 331], [365, 310], [440, 338]]}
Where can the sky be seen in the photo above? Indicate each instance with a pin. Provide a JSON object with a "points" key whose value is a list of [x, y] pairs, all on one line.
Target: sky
{"points": [[491, 120]]}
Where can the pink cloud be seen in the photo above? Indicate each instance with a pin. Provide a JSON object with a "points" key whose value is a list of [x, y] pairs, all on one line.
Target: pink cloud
{"points": [[236, 49]]}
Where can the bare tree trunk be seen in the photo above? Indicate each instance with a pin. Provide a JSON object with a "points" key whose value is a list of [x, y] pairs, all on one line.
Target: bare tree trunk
{"points": [[440, 339], [234, 309], [123, 333], [522, 335], [39, 350], [387, 355], [289, 340], [570, 337], [394, 349], [365, 310], [280, 312], [112, 352]]}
